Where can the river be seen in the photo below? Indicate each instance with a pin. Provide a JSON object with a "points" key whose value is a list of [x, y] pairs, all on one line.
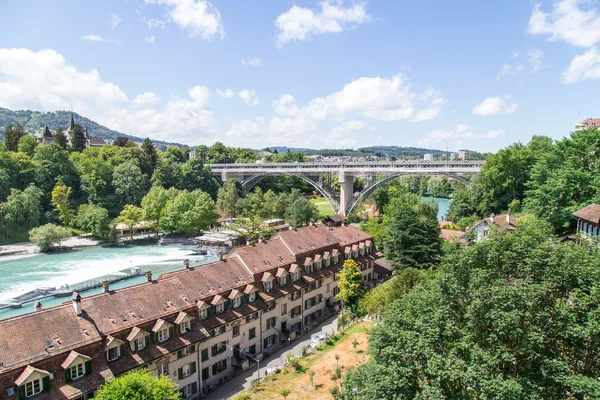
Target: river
{"points": [[443, 206], [20, 274]]}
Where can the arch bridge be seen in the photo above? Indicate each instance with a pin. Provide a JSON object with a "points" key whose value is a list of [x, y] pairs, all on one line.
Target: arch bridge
{"points": [[319, 175]]}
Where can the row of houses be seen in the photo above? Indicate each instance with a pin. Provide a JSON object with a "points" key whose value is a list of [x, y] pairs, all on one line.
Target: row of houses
{"points": [[198, 326]]}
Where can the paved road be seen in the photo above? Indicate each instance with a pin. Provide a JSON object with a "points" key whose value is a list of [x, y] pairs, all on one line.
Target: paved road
{"points": [[244, 379]]}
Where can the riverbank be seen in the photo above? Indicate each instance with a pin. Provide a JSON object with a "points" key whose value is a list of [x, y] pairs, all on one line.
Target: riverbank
{"points": [[31, 248]]}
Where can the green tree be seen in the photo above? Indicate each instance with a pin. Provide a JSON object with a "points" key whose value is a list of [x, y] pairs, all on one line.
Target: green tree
{"points": [[139, 385], [93, 219], [150, 154], [439, 186], [350, 286], [194, 175], [21, 212], [189, 212], [130, 216], [252, 229], [78, 141], [463, 202], [228, 197], [412, 238], [302, 211], [12, 136], [60, 138], [60, 201], [155, 201], [27, 145], [129, 182], [49, 235], [167, 173]]}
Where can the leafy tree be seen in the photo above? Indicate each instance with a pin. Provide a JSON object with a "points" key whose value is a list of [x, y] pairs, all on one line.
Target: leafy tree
{"points": [[120, 141], [378, 300], [381, 197], [227, 197], [463, 202], [21, 211], [130, 216], [167, 173], [139, 385], [189, 212], [49, 235], [60, 201], [27, 145], [12, 136], [155, 201], [302, 211], [502, 319], [252, 229], [78, 141], [129, 182], [439, 186], [350, 286], [93, 219], [150, 154], [412, 238], [194, 175], [60, 138]]}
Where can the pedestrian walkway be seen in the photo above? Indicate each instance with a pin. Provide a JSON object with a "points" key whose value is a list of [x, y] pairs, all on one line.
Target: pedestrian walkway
{"points": [[243, 380]]}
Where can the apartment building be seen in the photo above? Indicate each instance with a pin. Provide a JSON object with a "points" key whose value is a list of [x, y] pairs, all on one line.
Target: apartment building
{"points": [[199, 325]]}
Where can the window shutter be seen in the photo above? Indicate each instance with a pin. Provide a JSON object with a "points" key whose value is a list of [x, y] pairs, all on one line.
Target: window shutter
{"points": [[213, 310], [88, 367], [122, 350], [265, 343], [45, 383], [135, 345], [193, 367], [194, 387], [21, 391], [180, 373], [192, 323], [179, 354], [147, 340], [68, 375], [155, 337], [171, 332]]}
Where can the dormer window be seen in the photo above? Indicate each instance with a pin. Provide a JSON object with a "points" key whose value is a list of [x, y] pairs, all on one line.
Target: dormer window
{"points": [[139, 343], [184, 323], [295, 276], [219, 303], [163, 335], [185, 326], [162, 331], [204, 313], [236, 298], [283, 281], [32, 381], [76, 371], [219, 308], [114, 348], [237, 302], [251, 296], [268, 286], [34, 387], [138, 339], [267, 281]]}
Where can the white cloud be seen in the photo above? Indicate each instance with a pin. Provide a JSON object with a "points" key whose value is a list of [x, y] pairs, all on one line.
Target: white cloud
{"points": [[285, 106], [584, 66], [249, 97], [152, 23], [97, 38], [115, 20], [145, 99], [150, 39], [198, 17], [535, 59], [494, 106], [298, 23], [567, 22], [533, 63], [252, 62], [226, 94], [456, 133]]}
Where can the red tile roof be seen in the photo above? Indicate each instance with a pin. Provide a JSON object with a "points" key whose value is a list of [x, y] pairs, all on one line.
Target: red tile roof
{"points": [[589, 213], [349, 234], [309, 238], [263, 256]]}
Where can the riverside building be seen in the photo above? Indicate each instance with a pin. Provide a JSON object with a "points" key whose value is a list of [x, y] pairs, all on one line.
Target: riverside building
{"points": [[196, 325]]}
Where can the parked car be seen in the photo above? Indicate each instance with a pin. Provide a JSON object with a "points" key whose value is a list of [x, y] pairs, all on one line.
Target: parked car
{"points": [[317, 339]]}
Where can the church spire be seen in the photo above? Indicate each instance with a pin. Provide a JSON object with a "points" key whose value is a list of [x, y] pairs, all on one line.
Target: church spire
{"points": [[72, 123]]}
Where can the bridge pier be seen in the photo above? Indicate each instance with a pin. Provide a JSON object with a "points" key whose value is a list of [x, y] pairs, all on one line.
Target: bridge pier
{"points": [[224, 176], [346, 191]]}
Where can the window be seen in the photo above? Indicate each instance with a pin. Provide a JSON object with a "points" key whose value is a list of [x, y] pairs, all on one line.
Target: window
{"points": [[271, 322], [236, 330], [163, 334], [336, 259], [112, 353], [284, 309], [219, 367], [204, 355], [204, 313], [318, 264], [327, 262], [328, 287], [252, 349], [237, 302], [252, 333], [10, 391], [189, 390], [270, 341], [141, 343], [185, 326], [187, 370], [76, 371], [163, 369], [268, 286], [309, 269], [186, 351], [296, 311], [219, 308], [295, 296], [251, 317], [295, 276], [283, 281], [205, 374], [251, 297], [218, 348], [33, 387]]}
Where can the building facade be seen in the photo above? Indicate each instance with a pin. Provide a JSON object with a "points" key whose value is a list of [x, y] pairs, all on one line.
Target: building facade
{"points": [[47, 136], [588, 221], [199, 325]]}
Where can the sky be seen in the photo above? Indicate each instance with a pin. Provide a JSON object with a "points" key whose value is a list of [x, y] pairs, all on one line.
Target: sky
{"points": [[339, 74]]}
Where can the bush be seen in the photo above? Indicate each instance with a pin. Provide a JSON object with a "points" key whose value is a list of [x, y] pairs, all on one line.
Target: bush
{"points": [[49, 235], [139, 385]]}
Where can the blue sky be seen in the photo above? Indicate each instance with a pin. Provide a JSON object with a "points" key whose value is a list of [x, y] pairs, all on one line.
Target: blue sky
{"points": [[257, 73]]}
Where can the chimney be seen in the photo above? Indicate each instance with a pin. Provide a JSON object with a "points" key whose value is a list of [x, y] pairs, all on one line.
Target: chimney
{"points": [[148, 276], [37, 306], [105, 286], [186, 263], [220, 255], [77, 303], [492, 217], [508, 218]]}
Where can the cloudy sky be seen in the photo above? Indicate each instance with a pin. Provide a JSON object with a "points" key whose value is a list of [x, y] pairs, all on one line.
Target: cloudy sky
{"points": [[332, 73]]}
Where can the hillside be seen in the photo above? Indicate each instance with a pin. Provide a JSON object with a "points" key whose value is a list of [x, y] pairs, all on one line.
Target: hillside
{"points": [[34, 120]]}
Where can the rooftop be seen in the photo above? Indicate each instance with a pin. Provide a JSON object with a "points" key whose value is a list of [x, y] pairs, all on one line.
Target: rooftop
{"points": [[589, 213]]}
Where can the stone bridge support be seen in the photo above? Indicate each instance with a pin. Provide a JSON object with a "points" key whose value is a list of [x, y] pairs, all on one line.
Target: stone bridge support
{"points": [[346, 191]]}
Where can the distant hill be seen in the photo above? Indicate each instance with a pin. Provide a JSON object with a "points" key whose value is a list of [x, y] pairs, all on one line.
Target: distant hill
{"points": [[34, 120]]}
